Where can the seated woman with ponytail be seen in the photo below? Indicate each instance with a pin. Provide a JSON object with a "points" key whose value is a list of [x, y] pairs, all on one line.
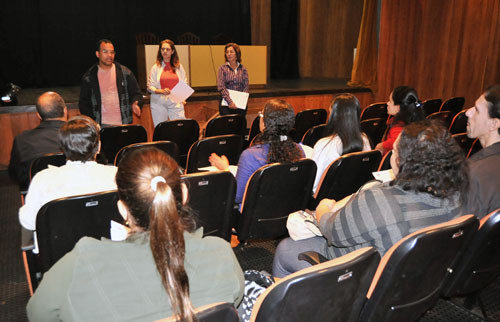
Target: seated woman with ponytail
{"points": [[164, 266], [272, 145], [403, 108]]}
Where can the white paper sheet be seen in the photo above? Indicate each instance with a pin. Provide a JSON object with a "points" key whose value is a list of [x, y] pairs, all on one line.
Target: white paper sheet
{"points": [[232, 168], [384, 176], [180, 92], [240, 99]]}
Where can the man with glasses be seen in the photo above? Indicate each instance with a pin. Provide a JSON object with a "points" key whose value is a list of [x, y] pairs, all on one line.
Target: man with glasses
{"points": [[109, 93]]}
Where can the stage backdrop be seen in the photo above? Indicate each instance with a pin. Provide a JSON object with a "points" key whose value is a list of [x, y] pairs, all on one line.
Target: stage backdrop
{"points": [[52, 43]]}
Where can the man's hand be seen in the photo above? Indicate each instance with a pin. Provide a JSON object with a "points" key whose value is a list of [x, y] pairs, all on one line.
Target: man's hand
{"points": [[136, 109]]}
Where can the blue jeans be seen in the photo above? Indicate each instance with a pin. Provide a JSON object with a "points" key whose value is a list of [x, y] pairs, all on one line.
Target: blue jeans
{"points": [[286, 257]]}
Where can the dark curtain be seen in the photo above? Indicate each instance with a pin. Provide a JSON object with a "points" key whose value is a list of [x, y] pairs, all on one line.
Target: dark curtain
{"points": [[284, 39], [52, 43]]}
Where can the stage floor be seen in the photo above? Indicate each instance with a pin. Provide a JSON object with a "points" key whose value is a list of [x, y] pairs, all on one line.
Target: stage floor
{"points": [[288, 87]]}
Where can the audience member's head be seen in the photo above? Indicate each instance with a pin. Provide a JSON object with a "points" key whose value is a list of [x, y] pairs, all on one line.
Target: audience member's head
{"points": [[404, 105], [484, 118], [51, 106], [277, 120], [152, 198], [344, 122], [236, 49], [79, 139], [426, 158], [167, 53]]}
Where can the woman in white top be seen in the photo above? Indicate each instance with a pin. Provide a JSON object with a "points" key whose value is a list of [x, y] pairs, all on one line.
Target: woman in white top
{"points": [[164, 75], [343, 134]]}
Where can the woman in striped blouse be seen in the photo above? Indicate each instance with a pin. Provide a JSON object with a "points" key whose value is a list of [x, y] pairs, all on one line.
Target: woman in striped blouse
{"points": [[232, 75]]}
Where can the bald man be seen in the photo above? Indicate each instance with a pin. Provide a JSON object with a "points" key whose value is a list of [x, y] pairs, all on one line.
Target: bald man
{"points": [[43, 139]]}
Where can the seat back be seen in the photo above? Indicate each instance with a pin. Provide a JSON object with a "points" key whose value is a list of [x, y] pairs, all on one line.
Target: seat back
{"points": [[271, 194], [304, 120], [62, 222], [188, 38], [168, 147], [113, 138], [479, 264], [464, 141], [374, 129], [211, 196], [217, 312], [254, 129], [410, 276], [476, 146], [314, 134], [444, 117], [454, 105], [182, 132], [228, 145], [347, 174], [385, 163], [459, 123], [431, 106], [330, 291], [56, 159], [374, 111], [226, 124]]}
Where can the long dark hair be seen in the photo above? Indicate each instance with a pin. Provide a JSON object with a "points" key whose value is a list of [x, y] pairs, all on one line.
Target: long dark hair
{"points": [[431, 161], [149, 184], [279, 119], [174, 58], [344, 122], [410, 108]]}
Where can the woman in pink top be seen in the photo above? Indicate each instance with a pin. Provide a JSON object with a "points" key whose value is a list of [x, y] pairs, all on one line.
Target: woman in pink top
{"points": [[404, 108], [164, 75]]}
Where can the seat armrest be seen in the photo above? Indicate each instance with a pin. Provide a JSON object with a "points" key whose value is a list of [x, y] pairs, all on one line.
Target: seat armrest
{"points": [[312, 257], [27, 242]]}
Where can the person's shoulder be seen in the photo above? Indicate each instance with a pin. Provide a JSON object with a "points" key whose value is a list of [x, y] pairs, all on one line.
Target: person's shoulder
{"points": [[122, 67], [92, 70]]}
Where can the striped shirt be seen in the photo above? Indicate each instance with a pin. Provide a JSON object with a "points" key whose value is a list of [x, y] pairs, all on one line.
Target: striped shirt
{"points": [[229, 78], [380, 216]]}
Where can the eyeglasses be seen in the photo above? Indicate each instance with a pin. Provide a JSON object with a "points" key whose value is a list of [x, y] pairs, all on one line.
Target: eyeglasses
{"points": [[105, 51]]}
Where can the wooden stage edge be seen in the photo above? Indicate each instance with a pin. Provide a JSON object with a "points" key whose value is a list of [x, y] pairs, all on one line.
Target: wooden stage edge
{"points": [[16, 119]]}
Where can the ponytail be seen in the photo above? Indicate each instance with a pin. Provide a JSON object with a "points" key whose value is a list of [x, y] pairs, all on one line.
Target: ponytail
{"points": [[168, 248]]}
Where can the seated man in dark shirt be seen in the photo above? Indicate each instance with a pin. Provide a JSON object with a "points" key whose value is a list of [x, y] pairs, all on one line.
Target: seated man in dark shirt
{"points": [[484, 166], [43, 139]]}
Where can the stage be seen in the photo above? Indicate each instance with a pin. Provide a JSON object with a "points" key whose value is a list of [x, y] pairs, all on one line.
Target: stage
{"points": [[202, 105]]}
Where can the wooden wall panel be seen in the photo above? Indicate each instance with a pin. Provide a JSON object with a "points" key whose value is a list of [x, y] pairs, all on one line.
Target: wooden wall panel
{"points": [[442, 48], [328, 33]]}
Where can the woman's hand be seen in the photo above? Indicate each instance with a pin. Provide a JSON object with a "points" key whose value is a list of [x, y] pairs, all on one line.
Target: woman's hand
{"points": [[164, 91], [379, 147], [232, 105], [325, 206], [221, 163]]}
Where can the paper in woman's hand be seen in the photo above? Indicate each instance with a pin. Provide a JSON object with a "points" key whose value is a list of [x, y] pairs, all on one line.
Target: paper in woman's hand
{"points": [[180, 92], [240, 99]]}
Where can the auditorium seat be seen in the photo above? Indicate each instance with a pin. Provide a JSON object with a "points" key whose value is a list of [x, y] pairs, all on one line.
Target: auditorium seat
{"points": [[272, 192], [330, 291], [304, 120], [375, 110], [41, 163], [374, 129], [211, 197], [182, 132], [229, 145], [459, 123], [226, 124], [313, 135], [454, 105], [385, 163], [431, 106], [464, 142], [168, 147], [254, 130], [346, 175], [217, 312], [444, 117], [113, 138]]}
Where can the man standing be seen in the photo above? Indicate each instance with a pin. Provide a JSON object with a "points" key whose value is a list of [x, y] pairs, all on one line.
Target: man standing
{"points": [[109, 93], [43, 139], [484, 166]]}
